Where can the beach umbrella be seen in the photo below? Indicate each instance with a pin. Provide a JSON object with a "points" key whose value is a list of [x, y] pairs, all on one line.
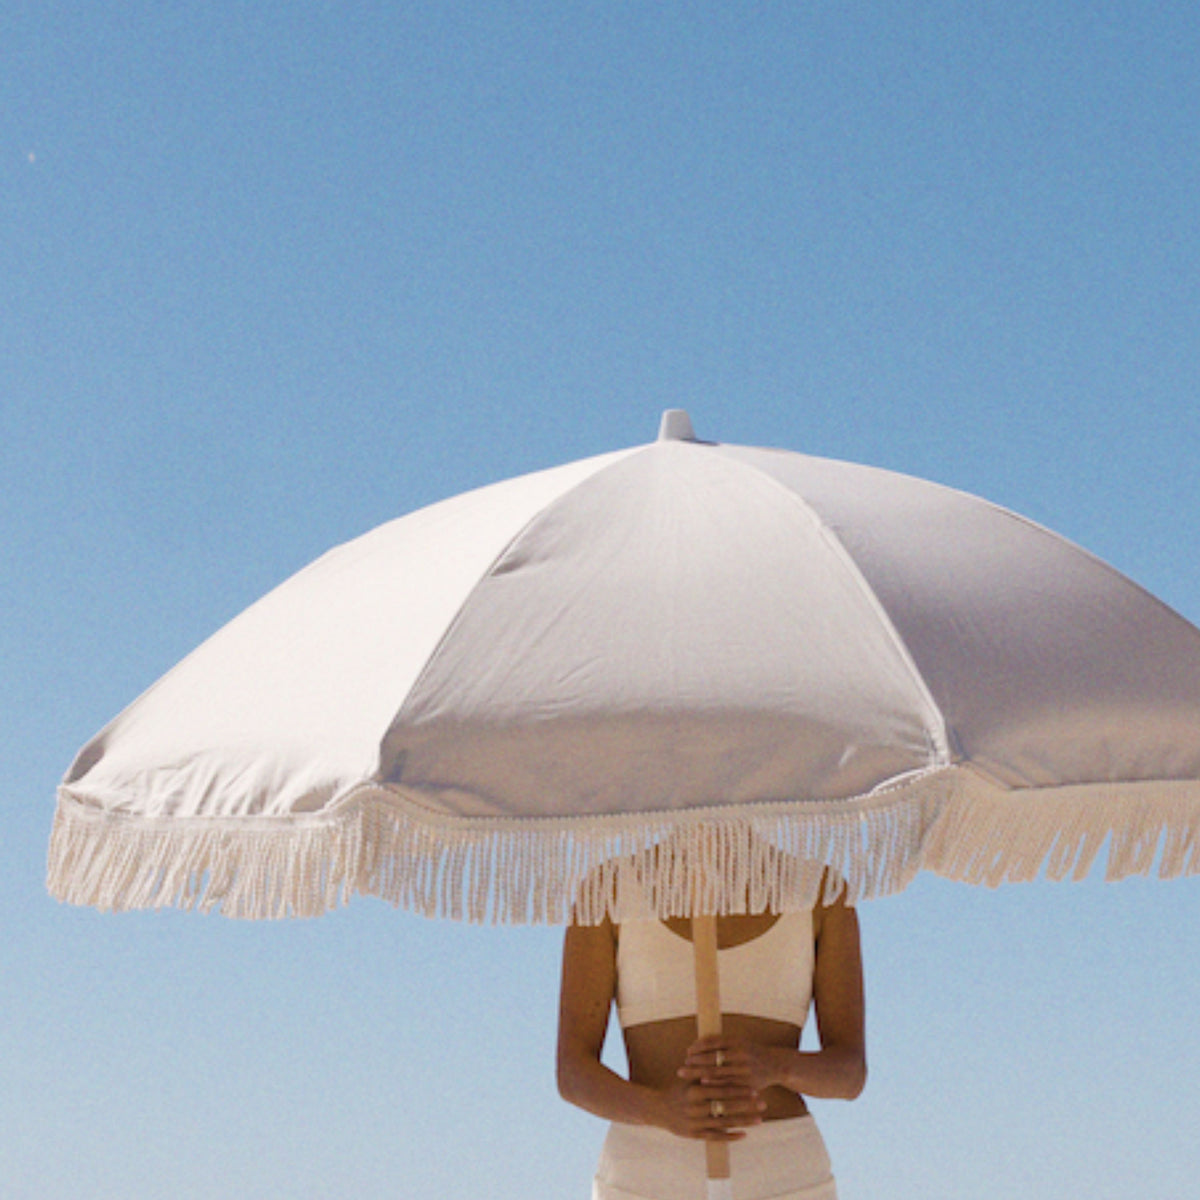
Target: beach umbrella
{"points": [[683, 679]]}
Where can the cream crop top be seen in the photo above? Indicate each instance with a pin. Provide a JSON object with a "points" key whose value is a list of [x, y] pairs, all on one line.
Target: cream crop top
{"points": [[769, 976]]}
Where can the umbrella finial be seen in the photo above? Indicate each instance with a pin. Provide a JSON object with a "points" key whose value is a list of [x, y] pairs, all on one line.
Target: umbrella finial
{"points": [[676, 426]]}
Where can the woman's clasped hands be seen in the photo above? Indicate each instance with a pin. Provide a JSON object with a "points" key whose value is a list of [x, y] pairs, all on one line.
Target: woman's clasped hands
{"points": [[716, 1093]]}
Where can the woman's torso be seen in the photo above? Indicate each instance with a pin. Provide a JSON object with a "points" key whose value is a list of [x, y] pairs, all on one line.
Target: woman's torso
{"points": [[656, 1048]]}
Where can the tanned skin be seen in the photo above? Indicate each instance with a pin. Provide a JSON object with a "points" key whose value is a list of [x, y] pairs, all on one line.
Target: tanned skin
{"points": [[673, 1076]]}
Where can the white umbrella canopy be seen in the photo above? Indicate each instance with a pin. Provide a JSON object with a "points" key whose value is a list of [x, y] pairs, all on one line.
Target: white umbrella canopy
{"points": [[726, 666]]}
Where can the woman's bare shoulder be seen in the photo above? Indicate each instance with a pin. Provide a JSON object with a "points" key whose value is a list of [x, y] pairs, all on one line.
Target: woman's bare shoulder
{"points": [[832, 905]]}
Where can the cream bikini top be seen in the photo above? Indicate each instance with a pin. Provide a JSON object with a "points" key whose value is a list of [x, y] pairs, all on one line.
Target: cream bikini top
{"points": [[769, 976]]}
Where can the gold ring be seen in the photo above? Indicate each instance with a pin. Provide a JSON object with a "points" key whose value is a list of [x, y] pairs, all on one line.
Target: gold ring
{"points": [[716, 1107]]}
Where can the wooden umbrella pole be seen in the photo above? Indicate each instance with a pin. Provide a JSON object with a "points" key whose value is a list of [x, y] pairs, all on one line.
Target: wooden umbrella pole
{"points": [[708, 1022]]}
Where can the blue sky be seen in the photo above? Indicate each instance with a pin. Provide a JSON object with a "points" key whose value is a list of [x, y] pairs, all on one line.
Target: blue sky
{"points": [[273, 273]]}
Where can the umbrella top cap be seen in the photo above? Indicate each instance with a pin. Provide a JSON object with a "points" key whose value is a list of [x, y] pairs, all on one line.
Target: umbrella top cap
{"points": [[676, 426]]}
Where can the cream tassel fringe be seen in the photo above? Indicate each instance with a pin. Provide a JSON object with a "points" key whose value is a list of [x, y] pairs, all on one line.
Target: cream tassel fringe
{"points": [[737, 859]]}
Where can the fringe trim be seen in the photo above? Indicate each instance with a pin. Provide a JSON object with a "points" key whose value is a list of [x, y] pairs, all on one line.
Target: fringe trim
{"points": [[384, 843], [253, 868], [992, 836]]}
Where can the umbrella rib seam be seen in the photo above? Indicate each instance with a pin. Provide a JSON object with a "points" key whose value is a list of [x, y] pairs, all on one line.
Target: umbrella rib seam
{"points": [[938, 738]]}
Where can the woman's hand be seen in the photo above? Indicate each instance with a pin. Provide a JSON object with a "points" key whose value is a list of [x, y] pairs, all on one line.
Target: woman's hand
{"points": [[717, 1110], [718, 1060]]}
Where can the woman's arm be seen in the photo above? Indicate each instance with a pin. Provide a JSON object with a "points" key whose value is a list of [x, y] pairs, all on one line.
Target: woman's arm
{"points": [[585, 998], [588, 986], [838, 1070], [838, 1001]]}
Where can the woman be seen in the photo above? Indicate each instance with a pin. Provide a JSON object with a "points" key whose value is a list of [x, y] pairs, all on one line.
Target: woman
{"points": [[747, 1086]]}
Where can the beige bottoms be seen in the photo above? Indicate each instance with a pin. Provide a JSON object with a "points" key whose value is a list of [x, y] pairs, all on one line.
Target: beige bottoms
{"points": [[778, 1160]]}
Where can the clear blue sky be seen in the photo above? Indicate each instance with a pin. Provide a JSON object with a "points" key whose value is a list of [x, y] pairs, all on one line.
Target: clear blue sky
{"points": [[272, 273]]}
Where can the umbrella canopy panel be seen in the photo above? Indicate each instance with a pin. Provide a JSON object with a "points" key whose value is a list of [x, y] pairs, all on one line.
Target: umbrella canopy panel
{"points": [[676, 632], [680, 652], [1049, 667]]}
